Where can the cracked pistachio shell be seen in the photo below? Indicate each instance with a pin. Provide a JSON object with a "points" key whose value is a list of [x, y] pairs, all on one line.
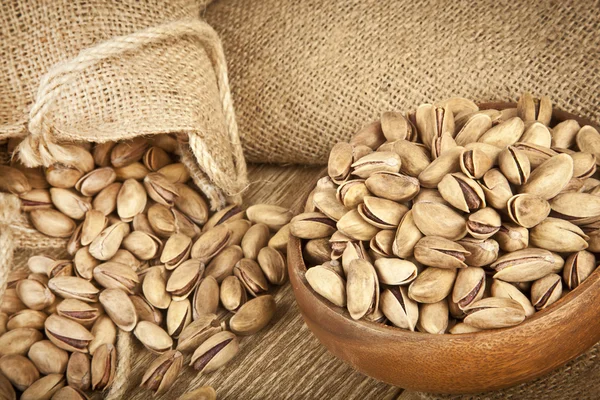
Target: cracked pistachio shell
{"points": [[146, 311], [184, 279], [441, 144], [564, 134], [546, 291], [351, 193], [558, 235], [176, 250], [206, 297], [381, 243], [462, 192], [578, 266], [524, 265], [484, 223], [469, 286], [179, 315], [211, 243], [131, 200], [280, 239], [494, 312], [578, 208], [496, 188], [127, 152], [93, 224], [62, 176], [222, 265], [134, 170], [398, 308], [338, 242], [273, 265], [250, 274], [474, 163], [326, 202], [191, 204], [153, 337], [369, 135], [70, 202], [509, 291], [393, 271], [197, 332], [432, 285], [19, 371], [532, 109], [74, 242], [446, 163], [96, 180], [362, 289], [163, 372], [35, 199], [215, 352], [79, 371], [48, 358], [490, 150], [328, 284], [106, 200], [313, 225], [475, 126], [505, 133], [353, 251], [101, 153], [274, 217], [340, 161], [253, 316], [67, 334], [433, 121], [433, 317], [119, 308], [514, 165], [379, 161], [161, 221], [395, 126], [317, 251], [24, 319], [72, 287], [18, 341], [435, 251], [392, 186], [34, 294], [176, 173], [436, 219], [406, 237], [414, 157], [60, 268], [104, 332], [232, 293], [160, 189], [228, 214], [78, 311], [584, 164], [103, 366], [114, 275], [105, 245], [483, 251], [537, 133], [382, 213], [155, 158], [44, 388], [142, 245], [536, 154], [255, 239], [13, 181], [353, 226], [550, 177], [512, 237], [52, 223]]}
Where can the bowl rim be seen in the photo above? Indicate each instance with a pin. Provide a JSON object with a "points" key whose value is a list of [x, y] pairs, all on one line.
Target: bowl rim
{"points": [[298, 266]]}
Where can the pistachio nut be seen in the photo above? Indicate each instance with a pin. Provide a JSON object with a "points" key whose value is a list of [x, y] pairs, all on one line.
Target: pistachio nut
{"points": [[353, 251], [163, 372], [127, 152], [227, 214], [70, 202], [484, 223], [432, 285], [414, 158], [462, 192], [531, 109], [184, 278], [238, 229], [406, 237], [211, 243], [48, 358], [537, 133], [52, 223], [106, 200], [191, 204], [146, 311], [253, 315], [273, 265], [340, 161], [482, 251], [37, 264], [104, 332], [505, 133], [462, 328], [535, 154], [398, 308], [105, 245], [153, 337], [14, 181], [176, 173], [558, 235], [19, 371], [69, 393], [114, 275], [496, 188], [514, 164], [469, 286], [474, 163], [206, 297], [94, 223], [131, 200], [18, 341], [156, 158], [433, 317], [512, 237], [103, 366], [78, 311], [250, 274], [273, 216], [369, 135], [255, 239], [215, 352], [101, 153], [393, 271], [327, 283], [435, 251], [577, 208], [524, 265], [446, 163], [160, 189], [381, 244], [474, 127], [44, 388], [67, 334], [441, 144], [79, 371], [176, 250], [584, 164], [222, 265], [527, 210], [134, 170], [564, 134], [352, 224], [550, 177], [588, 140], [509, 291], [396, 127], [11, 303], [205, 326], [161, 220], [24, 319], [546, 291], [338, 242], [119, 308], [578, 266], [313, 225], [362, 288], [72, 287], [233, 294], [379, 161], [351, 193], [280, 239], [382, 213], [142, 245], [35, 199], [432, 122], [60, 268], [494, 312], [62, 176], [459, 105], [96, 180], [392, 186], [437, 219], [202, 393], [34, 294]]}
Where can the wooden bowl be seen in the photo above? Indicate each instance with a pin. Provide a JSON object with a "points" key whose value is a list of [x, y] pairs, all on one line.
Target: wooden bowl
{"points": [[466, 363]]}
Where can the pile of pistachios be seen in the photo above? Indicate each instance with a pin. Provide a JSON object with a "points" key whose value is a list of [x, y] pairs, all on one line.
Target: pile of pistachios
{"points": [[145, 256], [455, 219]]}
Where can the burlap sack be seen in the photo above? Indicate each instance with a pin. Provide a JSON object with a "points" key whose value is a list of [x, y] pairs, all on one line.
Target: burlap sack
{"points": [[306, 74]]}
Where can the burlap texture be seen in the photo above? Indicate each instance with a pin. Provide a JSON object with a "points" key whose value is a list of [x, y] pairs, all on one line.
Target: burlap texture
{"points": [[100, 70], [306, 74]]}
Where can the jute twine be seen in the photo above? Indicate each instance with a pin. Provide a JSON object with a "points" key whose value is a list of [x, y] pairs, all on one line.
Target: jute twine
{"points": [[122, 373]]}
